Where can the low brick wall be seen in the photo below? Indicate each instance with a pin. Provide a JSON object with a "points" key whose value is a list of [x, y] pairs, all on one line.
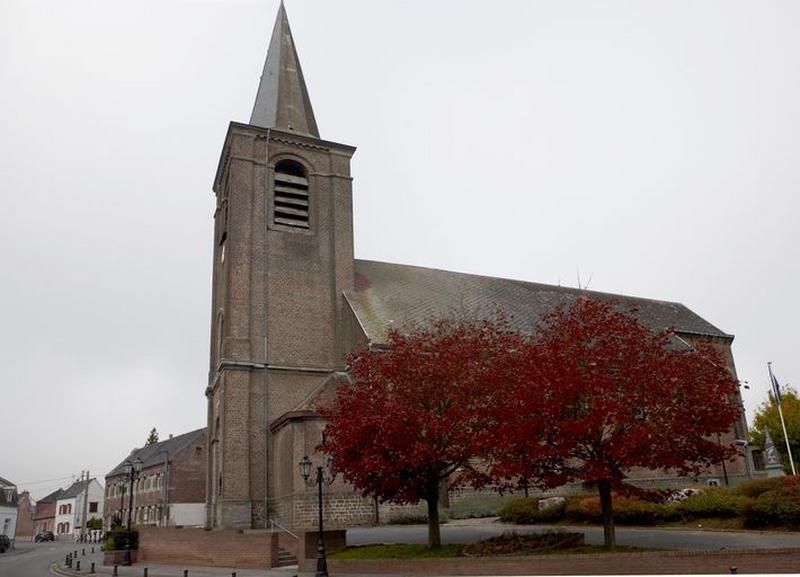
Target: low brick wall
{"points": [[672, 562], [216, 548]]}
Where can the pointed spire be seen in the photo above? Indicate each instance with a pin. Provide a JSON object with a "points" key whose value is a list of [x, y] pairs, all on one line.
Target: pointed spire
{"points": [[282, 100]]}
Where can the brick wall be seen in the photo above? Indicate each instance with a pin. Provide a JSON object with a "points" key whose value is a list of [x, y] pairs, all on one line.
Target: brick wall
{"points": [[215, 548]]}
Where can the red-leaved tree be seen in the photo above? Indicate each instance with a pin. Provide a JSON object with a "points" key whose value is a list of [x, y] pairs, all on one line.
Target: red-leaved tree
{"points": [[604, 394], [422, 410]]}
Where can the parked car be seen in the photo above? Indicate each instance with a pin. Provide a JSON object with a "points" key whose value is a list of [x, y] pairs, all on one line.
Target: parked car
{"points": [[5, 543], [44, 536]]}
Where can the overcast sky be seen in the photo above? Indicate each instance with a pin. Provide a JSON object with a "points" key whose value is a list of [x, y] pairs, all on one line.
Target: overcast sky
{"points": [[652, 146]]}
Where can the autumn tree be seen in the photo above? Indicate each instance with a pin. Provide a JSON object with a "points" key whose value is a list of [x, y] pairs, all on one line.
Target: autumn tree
{"points": [[152, 438], [605, 394], [421, 410], [767, 418]]}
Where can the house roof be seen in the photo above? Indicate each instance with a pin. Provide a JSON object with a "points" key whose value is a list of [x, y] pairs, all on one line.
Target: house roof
{"points": [[390, 295], [6, 483], [75, 489], [52, 497], [154, 454]]}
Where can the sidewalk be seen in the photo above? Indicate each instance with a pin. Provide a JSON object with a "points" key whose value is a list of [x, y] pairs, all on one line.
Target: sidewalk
{"points": [[158, 570], [155, 570]]}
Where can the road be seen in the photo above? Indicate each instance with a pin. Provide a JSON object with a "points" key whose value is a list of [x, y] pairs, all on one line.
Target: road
{"points": [[33, 559], [640, 537]]}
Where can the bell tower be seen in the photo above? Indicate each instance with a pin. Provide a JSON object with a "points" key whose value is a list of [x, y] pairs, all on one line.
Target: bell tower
{"points": [[283, 255]]}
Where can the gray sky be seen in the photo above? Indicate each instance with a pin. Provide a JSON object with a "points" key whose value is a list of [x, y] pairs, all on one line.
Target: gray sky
{"points": [[651, 145]]}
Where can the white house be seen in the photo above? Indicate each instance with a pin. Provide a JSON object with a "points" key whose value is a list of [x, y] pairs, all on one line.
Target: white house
{"points": [[79, 503], [8, 508]]}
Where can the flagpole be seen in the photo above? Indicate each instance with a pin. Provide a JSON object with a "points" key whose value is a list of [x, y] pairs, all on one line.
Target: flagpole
{"points": [[774, 383]]}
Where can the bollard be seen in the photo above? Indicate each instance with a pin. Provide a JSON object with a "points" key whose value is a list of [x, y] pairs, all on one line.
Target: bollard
{"points": [[185, 573], [75, 554], [66, 559], [145, 572], [92, 550], [233, 574], [115, 574], [733, 570], [77, 565], [83, 552], [92, 569]]}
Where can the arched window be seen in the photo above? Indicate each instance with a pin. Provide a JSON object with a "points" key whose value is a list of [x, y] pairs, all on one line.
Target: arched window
{"points": [[290, 202]]}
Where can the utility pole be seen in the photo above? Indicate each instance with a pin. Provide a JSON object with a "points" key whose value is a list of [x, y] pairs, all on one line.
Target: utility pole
{"points": [[85, 508]]}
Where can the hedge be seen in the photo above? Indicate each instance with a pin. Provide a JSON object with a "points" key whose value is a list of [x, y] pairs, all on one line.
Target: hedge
{"points": [[526, 512], [778, 507], [715, 502]]}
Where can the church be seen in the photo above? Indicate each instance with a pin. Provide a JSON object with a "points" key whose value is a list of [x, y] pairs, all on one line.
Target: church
{"points": [[290, 300]]}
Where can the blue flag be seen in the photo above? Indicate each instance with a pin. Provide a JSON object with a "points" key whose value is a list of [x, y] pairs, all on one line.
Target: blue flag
{"points": [[776, 388]]}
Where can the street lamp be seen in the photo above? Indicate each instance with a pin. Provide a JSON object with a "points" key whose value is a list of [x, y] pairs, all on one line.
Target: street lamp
{"points": [[326, 479], [132, 469]]}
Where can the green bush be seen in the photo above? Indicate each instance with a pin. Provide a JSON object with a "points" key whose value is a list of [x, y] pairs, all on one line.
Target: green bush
{"points": [[117, 539], [779, 507], [94, 523], [637, 512], [756, 487], [526, 512], [716, 502]]}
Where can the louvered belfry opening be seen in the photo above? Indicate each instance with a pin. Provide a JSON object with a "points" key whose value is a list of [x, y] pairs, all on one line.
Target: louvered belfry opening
{"points": [[291, 195]]}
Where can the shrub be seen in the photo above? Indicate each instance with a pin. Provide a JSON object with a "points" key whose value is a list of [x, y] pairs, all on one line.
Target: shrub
{"points": [[478, 507], [627, 510], [526, 512], [589, 509], [94, 523], [117, 539], [573, 509], [756, 487], [515, 544], [637, 512], [716, 502], [778, 507]]}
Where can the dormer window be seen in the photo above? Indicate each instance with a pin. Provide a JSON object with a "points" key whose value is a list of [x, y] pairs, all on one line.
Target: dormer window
{"points": [[290, 201]]}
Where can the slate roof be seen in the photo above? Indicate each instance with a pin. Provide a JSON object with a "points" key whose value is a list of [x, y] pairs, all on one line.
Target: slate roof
{"points": [[6, 483], [154, 454], [52, 497], [77, 488], [390, 295], [282, 99]]}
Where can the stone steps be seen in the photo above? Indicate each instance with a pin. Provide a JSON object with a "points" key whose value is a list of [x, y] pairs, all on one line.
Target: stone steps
{"points": [[285, 558]]}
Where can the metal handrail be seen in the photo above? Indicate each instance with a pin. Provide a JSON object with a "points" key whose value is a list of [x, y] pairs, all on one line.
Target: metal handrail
{"points": [[274, 523]]}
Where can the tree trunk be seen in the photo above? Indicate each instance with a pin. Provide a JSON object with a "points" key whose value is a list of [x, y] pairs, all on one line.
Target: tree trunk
{"points": [[434, 538], [608, 514]]}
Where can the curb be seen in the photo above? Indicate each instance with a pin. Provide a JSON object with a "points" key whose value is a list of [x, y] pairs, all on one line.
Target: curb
{"points": [[57, 569]]}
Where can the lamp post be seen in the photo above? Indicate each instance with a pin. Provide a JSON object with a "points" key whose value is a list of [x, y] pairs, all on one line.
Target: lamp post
{"points": [[132, 469], [321, 479]]}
